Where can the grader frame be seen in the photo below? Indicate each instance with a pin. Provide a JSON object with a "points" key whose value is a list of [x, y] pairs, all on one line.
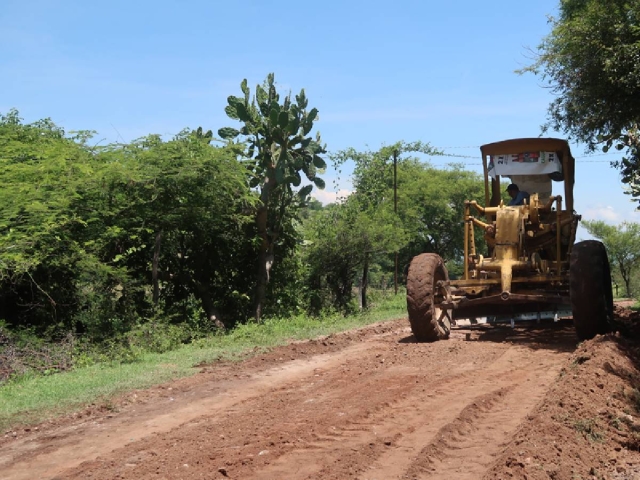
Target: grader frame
{"points": [[531, 256]]}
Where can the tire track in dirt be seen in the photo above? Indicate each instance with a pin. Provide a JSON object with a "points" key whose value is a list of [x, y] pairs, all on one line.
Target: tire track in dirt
{"points": [[468, 446], [377, 407], [17, 459], [367, 432], [449, 433]]}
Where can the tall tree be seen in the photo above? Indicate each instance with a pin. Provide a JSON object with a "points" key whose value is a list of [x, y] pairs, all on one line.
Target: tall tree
{"points": [[623, 245], [278, 150], [92, 238], [43, 174], [373, 170], [343, 241], [178, 208], [590, 61], [430, 200], [431, 206], [373, 180]]}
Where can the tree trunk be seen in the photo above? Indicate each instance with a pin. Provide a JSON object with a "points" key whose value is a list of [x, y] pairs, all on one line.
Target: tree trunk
{"points": [[213, 315], [265, 254], [364, 283], [625, 273], [627, 286], [265, 262], [154, 269]]}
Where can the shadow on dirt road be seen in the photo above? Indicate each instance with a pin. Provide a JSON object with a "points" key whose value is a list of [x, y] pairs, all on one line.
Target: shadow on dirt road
{"points": [[558, 336]]}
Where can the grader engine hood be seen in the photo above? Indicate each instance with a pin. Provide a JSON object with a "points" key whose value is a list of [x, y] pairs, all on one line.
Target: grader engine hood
{"points": [[509, 231], [509, 227]]}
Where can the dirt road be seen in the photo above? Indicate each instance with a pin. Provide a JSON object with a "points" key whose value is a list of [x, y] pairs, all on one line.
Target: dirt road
{"points": [[369, 404]]}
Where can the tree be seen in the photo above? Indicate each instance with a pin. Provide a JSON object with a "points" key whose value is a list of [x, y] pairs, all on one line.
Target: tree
{"points": [[176, 213], [431, 206], [278, 149], [343, 241], [43, 174], [430, 200], [96, 239], [590, 61], [373, 173], [373, 180], [623, 246]]}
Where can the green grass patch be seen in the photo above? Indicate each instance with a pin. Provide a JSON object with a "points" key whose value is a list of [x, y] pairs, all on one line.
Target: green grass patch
{"points": [[32, 399], [589, 428]]}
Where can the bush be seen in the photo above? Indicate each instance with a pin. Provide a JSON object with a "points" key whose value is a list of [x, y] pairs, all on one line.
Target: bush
{"points": [[22, 353], [158, 336]]}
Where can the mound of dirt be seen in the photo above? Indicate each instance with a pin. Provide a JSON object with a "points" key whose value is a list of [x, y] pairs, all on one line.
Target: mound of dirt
{"points": [[627, 322], [588, 425]]}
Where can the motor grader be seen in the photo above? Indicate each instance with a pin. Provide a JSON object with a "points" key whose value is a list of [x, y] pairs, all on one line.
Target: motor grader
{"points": [[531, 266]]}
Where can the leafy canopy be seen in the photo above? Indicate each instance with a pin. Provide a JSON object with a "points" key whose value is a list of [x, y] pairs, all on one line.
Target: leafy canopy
{"points": [[42, 173], [278, 145], [591, 61]]}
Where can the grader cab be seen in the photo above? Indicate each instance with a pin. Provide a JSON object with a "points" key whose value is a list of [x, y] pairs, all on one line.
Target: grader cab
{"points": [[531, 267]]}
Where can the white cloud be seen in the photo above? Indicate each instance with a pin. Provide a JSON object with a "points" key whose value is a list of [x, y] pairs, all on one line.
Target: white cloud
{"points": [[611, 214], [327, 197], [601, 212]]}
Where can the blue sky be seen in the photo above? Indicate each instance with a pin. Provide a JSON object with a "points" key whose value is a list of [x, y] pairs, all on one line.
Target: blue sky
{"points": [[378, 71]]}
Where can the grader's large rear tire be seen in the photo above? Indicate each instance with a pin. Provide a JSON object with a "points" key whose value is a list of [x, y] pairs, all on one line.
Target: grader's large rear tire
{"points": [[422, 299], [590, 289]]}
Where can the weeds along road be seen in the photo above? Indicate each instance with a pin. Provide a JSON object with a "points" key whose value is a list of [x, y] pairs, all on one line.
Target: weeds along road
{"points": [[369, 404]]}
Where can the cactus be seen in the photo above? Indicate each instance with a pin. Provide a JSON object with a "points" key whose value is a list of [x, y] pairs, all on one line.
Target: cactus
{"points": [[278, 149]]}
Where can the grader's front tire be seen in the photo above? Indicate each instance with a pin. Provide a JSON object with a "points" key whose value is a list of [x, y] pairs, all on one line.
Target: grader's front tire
{"points": [[590, 289], [424, 272]]}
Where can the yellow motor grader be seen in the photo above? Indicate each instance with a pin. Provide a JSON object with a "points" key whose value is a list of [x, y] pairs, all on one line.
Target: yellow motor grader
{"points": [[532, 267]]}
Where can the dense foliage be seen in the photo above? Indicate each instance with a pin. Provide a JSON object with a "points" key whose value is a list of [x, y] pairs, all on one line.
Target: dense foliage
{"points": [[344, 242], [591, 62], [93, 240], [430, 201]]}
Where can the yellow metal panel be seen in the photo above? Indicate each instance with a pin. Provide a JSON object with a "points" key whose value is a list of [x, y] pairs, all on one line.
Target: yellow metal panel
{"points": [[508, 223]]}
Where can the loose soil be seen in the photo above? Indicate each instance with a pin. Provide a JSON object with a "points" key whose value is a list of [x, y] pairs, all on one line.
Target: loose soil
{"points": [[490, 402]]}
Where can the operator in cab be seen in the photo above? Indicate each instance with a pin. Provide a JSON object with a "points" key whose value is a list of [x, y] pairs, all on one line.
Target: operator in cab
{"points": [[517, 197]]}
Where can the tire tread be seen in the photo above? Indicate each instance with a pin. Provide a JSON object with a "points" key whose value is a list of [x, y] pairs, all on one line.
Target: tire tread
{"points": [[421, 278]]}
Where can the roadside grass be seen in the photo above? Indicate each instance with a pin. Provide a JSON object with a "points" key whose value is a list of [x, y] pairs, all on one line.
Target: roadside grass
{"points": [[33, 399]]}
